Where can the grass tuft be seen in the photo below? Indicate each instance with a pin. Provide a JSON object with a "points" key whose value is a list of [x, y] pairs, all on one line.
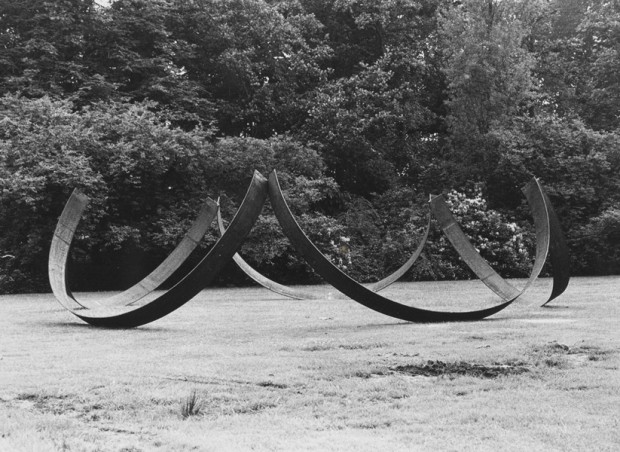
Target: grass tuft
{"points": [[191, 405]]}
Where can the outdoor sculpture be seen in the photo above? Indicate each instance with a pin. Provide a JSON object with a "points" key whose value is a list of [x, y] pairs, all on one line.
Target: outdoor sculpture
{"points": [[196, 279], [65, 229], [372, 300], [549, 240], [124, 311]]}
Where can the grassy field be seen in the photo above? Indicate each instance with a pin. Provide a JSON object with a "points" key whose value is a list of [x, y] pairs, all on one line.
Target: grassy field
{"points": [[243, 369]]}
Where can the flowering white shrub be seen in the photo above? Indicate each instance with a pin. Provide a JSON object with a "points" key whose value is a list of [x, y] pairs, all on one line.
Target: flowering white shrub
{"points": [[368, 250], [506, 245], [340, 252]]}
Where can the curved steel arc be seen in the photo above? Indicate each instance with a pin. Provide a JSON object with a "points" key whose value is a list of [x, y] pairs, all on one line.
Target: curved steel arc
{"points": [[560, 258], [172, 263], [546, 230], [195, 280], [302, 295], [68, 222], [391, 279], [348, 286], [60, 247], [262, 279]]}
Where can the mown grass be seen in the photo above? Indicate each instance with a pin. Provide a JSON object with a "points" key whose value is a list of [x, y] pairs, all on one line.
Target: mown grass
{"points": [[243, 369]]}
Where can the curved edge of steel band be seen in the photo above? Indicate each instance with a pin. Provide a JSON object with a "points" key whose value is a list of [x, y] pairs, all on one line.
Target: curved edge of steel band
{"points": [[261, 279], [549, 240], [63, 237], [173, 262], [560, 257], [191, 284], [348, 286], [290, 292], [60, 247], [391, 279]]}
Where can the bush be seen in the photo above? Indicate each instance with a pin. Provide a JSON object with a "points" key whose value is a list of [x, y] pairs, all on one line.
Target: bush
{"points": [[146, 179], [597, 245], [41, 161], [381, 236], [505, 244]]}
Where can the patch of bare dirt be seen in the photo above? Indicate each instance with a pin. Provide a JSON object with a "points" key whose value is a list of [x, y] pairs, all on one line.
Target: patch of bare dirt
{"points": [[461, 368]]}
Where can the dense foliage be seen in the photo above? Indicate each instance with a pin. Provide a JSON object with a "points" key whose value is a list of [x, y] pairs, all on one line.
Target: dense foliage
{"points": [[365, 107]]}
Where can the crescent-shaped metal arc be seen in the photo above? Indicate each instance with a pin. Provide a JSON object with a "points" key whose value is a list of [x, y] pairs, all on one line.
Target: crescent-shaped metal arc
{"points": [[193, 282], [63, 236], [60, 247], [302, 295], [391, 279], [173, 262], [560, 258], [262, 279], [547, 233], [348, 286]]}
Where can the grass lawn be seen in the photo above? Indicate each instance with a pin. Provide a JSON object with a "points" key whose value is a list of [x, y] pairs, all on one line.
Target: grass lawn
{"points": [[244, 369]]}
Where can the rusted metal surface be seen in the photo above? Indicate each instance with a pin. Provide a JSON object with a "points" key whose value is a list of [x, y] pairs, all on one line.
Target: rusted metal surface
{"points": [[195, 280], [348, 286], [549, 240], [291, 292]]}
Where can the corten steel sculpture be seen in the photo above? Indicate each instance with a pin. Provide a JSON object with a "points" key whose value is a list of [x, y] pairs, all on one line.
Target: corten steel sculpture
{"points": [[548, 236], [549, 240], [354, 290], [65, 229], [304, 295], [195, 280]]}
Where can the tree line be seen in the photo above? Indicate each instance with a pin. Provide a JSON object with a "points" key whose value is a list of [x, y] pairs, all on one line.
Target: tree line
{"points": [[365, 107]]}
